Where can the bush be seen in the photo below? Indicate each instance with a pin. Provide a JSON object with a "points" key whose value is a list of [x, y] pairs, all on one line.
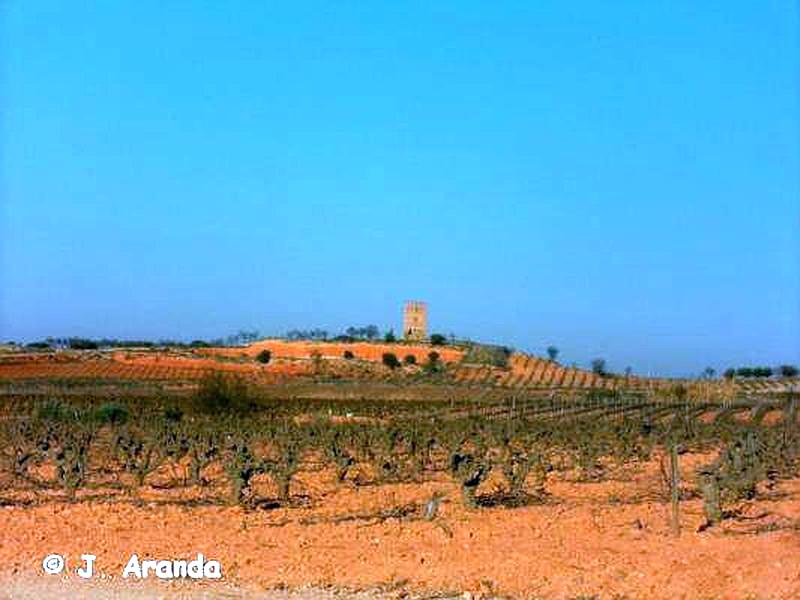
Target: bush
{"points": [[390, 360], [487, 354], [788, 371], [218, 395], [410, 359], [390, 338], [437, 339], [348, 355], [112, 413], [55, 410], [264, 357], [173, 414]]}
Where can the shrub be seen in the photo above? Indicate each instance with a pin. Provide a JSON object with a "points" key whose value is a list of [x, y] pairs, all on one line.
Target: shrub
{"points": [[348, 355], [437, 339], [218, 395], [112, 413], [390, 338], [788, 371], [410, 359], [55, 410], [487, 354], [552, 353], [264, 357], [173, 414], [390, 360]]}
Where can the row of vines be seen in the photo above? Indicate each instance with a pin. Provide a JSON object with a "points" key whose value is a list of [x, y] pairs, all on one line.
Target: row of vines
{"points": [[251, 456]]}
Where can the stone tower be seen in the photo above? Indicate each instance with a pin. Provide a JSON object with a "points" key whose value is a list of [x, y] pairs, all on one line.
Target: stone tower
{"points": [[415, 321]]}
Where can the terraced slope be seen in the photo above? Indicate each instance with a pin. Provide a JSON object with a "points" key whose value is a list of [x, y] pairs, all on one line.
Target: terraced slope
{"points": [[324, 361]]}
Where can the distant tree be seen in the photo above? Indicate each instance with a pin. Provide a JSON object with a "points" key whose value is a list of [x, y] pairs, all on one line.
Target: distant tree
{"points": [[82, 344], [744, 372], [599, 367], [264, 357], [433, 365], [552, 353], [709, 372], [348, 355], [390, 360], [370, 332], [390, 338], [762, 372], [38, 345], [628, 371], [729, 373], [437, 339], [410, 359], [307, 334], [788, 371], [199, 344]]}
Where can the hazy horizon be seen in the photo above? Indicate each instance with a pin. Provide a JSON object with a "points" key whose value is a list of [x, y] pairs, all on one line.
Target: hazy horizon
{"points": [[618, 181]]}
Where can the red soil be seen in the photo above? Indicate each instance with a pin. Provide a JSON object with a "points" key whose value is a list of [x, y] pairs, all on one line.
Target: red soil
{"points": [[293, 359], [363, 350], [609, 539]]}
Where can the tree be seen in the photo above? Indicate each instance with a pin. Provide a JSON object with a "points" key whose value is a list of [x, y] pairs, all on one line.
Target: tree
{"points": [[348, 355], [599, 367], [628, 371], [437, 339], [433, 364], [788, 371], [390, 338], [264, 356], [390, 360], [552, 353], [410, 359], [371, 332], [709, 373], [82, 344], [729, 373]]}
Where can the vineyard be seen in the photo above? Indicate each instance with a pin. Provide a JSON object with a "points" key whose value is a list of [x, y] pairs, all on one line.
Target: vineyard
{"points": [[325, 469], [306, 362], [227, 446]]}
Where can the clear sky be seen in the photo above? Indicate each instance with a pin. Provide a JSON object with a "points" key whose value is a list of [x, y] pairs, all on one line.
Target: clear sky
{"points": [[618, 179]]}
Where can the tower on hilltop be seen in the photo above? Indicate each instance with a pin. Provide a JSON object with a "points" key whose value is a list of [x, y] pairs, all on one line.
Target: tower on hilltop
{"points": [[415, 321]]}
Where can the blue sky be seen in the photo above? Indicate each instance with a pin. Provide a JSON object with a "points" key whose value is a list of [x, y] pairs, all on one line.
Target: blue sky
{"points": [[618, 179]]}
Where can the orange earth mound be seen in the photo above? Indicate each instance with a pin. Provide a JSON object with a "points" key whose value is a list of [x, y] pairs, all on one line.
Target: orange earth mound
{"points": [[609, 540]]}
